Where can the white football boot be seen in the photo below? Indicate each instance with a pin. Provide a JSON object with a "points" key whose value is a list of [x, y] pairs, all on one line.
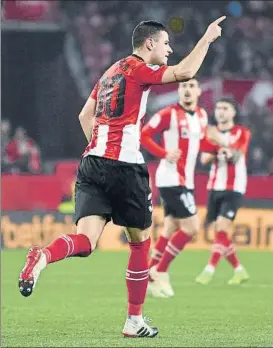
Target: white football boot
{"points": [[138, 328], [162, 282]]}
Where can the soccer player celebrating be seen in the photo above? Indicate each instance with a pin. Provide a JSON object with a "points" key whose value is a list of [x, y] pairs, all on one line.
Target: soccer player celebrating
{"points": [[112, 180], [182, 127], [226, 185]]}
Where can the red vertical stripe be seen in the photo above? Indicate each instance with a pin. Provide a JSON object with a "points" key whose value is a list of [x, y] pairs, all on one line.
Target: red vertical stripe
{"points": [[213, 176], [113, 144], [183, 145], [230, 176], [93, 142]]}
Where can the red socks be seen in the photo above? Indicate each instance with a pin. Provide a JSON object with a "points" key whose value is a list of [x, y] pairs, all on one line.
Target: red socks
{"points": [[173, 248], [158, 250], [231, 256], [66, 246], [137, 276], [222, 247], [219, 248]]}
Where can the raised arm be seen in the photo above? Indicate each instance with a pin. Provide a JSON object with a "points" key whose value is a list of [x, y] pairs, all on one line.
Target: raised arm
{"points": [[188, 67]]}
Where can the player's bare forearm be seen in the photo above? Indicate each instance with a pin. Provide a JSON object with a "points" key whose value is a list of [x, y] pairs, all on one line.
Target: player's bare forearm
{"points": [[215, 137], [189, 66], [207, 158], [87, 118]]}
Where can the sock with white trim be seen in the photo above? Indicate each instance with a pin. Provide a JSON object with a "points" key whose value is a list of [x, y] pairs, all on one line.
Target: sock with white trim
{"points": [[158, 250], [137, 276], [219, 248], [232, 258], [68, 245], [175, 245]]}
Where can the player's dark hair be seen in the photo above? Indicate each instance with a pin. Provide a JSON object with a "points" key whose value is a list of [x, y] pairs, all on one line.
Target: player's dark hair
{"points": [[195, 77], [144, 30], [232, 102]]}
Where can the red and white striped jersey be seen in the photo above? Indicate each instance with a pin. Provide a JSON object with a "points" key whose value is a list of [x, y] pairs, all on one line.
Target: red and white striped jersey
{"points": [[225, 175], [121, 96], [182, 130]]}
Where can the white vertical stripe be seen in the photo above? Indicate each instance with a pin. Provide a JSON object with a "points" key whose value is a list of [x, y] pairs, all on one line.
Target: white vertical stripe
{"points": [[130, 143], [171, 136], [240, 181], [211, 176], [141, 114], [102, 138], [143, 105], [221, 175], [222, 169], [193, 148], [166, 174], [129, 151]]}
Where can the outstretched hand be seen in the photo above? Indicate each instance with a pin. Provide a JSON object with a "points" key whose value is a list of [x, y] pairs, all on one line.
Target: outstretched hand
{"points": [[214, 30]]}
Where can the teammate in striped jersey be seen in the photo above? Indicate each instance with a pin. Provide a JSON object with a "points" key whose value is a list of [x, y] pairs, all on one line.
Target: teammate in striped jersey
{"points": [[113, 180], [182, 127], [226, 186]]}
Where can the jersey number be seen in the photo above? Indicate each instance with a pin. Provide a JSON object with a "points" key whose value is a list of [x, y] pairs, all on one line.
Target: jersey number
{"points": [[112, 90], [188, 200]]}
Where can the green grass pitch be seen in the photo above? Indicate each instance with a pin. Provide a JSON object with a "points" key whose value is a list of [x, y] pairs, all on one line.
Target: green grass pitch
{"points": [[82, 303]]}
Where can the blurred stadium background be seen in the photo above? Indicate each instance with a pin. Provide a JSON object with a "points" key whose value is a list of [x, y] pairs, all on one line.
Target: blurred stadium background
{"points": [[53, 52]]}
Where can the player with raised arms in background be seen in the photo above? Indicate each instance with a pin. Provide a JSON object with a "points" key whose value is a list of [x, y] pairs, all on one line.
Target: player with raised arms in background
{"points": [[112, 180], [226, 186], [184, 132]]}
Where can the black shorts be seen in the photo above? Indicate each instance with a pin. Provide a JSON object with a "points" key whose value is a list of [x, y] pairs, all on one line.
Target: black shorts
{"points": [[223, 203], [178, 201], [115, 190]]}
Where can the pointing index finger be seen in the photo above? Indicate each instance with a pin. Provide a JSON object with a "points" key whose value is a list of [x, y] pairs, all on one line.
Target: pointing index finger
{"points": [[219, 20]]}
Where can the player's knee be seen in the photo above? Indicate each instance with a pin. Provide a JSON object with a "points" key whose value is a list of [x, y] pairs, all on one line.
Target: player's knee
{"points": [[170, 227], [135, 235], [167, 233], [92, 227], [190, 226], [222, 224], [195, 228]]}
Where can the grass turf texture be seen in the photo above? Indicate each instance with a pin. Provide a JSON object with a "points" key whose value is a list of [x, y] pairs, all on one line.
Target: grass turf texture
{"points": [[82, 303]]}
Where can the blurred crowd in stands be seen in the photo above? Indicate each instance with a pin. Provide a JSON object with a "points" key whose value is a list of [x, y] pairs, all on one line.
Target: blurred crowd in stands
{"points": [[19, 153], [30, 10], [260, 121], [104, 30], [245, 51]]}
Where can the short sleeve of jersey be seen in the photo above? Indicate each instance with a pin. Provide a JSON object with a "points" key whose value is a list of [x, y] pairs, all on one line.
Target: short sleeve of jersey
{"points": [[208, 146], [94, 92], [149, 73], [159, 122]]}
